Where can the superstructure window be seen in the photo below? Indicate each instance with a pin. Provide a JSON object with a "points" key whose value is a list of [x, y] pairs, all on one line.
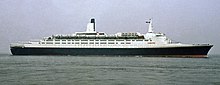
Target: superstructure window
{"points": [[111, 43], [84, 42], [101, 34], [49, 42], [119, 40], [111, 40], [139, 40], [128, 43], [96, 42], [103, 43]]}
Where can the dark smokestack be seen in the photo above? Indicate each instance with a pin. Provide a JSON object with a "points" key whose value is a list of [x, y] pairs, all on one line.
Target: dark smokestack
{"points": [[93, 21]]}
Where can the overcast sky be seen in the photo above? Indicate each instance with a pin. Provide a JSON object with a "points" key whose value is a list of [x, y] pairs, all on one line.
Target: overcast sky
{"points": [[187, 21]]}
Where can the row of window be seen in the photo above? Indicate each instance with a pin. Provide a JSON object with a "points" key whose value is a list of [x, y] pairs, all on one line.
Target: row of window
{"points": [[87, 43], [99, 40]]}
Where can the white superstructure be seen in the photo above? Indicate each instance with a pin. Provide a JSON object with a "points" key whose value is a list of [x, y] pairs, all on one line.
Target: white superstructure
{"points": [[92, 39]]}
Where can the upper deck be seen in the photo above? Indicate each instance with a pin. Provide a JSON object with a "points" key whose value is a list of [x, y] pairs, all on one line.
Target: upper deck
{"points": [[98, 36]]}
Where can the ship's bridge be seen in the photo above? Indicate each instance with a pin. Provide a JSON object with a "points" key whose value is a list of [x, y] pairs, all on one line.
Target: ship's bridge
{"points": [[159, 38]]}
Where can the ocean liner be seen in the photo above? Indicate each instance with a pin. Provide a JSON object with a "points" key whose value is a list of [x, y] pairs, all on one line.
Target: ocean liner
{"points": [[92, 42]]}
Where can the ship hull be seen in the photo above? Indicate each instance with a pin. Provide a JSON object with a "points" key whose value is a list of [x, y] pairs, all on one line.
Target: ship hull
{"points": [[197, 51]]}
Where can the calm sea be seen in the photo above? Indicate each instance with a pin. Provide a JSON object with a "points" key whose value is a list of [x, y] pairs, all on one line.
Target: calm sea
{"points": [[107, 70]]}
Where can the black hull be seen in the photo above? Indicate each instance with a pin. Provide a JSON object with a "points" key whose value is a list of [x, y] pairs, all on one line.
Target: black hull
{"points": [[197, 51]]}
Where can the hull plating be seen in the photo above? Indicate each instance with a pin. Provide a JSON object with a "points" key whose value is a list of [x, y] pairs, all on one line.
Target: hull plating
{"points": [[200, 51]]}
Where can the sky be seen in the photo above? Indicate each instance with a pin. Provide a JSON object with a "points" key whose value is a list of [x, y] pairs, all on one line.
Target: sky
{"points": [[186, 21]]}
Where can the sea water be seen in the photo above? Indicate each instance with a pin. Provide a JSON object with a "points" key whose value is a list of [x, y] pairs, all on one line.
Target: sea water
{"points": [[108, 70]]}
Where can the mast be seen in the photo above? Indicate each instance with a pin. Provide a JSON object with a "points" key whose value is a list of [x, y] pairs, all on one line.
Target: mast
{"points": [[150, 29]]}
